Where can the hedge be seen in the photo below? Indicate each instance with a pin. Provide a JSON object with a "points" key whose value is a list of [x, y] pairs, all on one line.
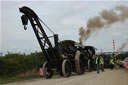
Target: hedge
{"points": [[13, 64]]}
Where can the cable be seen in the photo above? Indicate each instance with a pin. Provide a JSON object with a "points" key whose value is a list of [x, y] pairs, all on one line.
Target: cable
{"points": [[46, 26]]}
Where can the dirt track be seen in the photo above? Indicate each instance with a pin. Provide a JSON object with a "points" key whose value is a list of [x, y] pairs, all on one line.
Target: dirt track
{"points": [[109, 77]]}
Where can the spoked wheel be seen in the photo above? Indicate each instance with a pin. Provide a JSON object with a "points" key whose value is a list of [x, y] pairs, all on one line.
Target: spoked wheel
{"points": [[47, 70], [66, 68], [80, 63]]}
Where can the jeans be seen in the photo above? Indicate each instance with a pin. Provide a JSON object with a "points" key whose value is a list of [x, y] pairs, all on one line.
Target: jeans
{"points": [[102, 67], [97, 67]]}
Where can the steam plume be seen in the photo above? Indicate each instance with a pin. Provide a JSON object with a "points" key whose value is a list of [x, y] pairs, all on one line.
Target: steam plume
{"points": [[123, 45], [105, 18]]}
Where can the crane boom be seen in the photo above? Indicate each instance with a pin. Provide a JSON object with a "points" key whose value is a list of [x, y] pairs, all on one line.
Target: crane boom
{"points": [[44, 42]]}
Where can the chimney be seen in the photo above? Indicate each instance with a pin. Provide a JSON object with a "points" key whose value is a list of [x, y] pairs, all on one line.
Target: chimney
{"points": [[56, 40]]}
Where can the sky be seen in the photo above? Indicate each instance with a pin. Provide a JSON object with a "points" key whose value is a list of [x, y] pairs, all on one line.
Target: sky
{"points": [[64, 18]]}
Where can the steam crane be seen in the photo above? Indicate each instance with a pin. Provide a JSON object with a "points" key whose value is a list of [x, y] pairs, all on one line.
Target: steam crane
{"points": [[62, 58]]}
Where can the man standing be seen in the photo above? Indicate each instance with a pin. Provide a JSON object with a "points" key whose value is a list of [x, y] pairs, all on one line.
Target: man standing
{"points": [[111, 62], [97, 63], [102, 63]]}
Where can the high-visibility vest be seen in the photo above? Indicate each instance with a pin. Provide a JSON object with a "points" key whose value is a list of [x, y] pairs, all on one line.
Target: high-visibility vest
{"points": [[111, 61], [97, 60], [101, 61]]}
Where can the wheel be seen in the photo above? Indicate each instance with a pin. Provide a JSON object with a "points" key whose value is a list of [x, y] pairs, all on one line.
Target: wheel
{"points": [[66, 68], [79, 63], [89, 65], [47, 70]]}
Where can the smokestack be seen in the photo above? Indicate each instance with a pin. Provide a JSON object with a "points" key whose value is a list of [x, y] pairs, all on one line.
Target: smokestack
{"points": [[105, 18], [113, 45], [56, 40]]}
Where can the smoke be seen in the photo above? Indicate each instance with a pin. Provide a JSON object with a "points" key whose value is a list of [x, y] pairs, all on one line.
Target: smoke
{"points": [[105, 18], [123, 45]]}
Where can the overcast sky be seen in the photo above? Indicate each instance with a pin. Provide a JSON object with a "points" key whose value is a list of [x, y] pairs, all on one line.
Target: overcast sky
{"points": [[64, 18]]}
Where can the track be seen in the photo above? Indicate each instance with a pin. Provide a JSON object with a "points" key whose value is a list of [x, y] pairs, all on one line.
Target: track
{"points": [[109, 77]]}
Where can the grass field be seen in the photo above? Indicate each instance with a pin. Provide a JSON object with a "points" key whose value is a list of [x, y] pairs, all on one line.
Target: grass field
{"points": [[16, 79]]}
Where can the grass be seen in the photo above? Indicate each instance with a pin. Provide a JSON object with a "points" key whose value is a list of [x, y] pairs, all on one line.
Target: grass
{"points": [[16, 79]]}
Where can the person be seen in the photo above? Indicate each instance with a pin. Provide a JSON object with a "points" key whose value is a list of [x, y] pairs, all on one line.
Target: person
{"points": [[97, 63], [126, 65], [41, 72], [111, 62], [106, 62], [102, 63]]}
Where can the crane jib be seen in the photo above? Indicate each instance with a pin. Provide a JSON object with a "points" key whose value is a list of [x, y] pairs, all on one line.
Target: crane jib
{"points": [[44, 42]]}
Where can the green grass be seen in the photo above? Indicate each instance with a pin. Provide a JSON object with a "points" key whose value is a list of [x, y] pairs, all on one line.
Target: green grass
{"points": [[16, 79]]}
